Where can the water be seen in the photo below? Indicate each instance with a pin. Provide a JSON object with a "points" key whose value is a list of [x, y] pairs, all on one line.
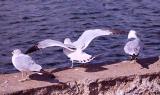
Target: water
{"points": [[25, 22]]}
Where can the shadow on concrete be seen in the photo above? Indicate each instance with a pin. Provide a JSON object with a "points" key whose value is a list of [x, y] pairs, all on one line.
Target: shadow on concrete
{"points": [[88, 66], [93, 67], [43, 77], [98, 66], [145, 62], [60, 69]]}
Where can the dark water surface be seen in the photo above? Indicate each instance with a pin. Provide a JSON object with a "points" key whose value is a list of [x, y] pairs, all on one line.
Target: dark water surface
{"points": [[25, 22]]}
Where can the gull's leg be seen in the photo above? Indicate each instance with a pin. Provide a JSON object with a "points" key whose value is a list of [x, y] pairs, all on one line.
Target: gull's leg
{"points": [[136, 58], [22, 75], [130, 57], [84, 63], [71, 64], [26, 77], [133, 61]]}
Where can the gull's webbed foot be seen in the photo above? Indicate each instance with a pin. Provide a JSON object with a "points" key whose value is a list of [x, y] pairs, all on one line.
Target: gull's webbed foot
{"points": [[23, 80]]}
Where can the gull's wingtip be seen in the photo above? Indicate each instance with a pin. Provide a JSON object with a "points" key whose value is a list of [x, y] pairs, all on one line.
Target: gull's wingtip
{"points": [[116, 31], [32, 49]]}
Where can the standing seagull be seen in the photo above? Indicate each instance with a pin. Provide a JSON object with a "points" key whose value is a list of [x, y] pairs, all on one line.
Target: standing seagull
{"points": [[132, 47], [24, 63], [74, 50]]}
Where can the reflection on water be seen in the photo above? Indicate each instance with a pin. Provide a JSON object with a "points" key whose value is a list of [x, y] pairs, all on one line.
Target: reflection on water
{"points": [[25, 22]]}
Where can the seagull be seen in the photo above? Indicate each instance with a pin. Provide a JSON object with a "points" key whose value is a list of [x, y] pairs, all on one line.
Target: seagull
{"points": [[24, 63], [75, 50], [79, 56], [132, 47]]}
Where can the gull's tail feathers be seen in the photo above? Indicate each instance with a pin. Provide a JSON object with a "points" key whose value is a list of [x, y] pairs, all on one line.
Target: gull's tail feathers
{"points": [[134, 57], [35, 67]]}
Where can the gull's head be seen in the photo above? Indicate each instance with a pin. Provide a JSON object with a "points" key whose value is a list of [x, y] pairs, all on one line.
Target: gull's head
{"points": [[67, 41], [132, 34], [16, 51]]}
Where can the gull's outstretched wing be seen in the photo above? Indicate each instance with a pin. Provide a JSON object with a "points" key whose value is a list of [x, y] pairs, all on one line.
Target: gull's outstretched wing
{"points": [[47, 43], [89, 35]]}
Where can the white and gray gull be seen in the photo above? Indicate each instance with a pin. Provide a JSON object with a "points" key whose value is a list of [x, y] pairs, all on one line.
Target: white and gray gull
{"points": [[75, 50], [133, 45], [24, 63]]}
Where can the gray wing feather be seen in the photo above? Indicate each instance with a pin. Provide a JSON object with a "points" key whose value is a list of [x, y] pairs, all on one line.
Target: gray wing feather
{"points": [[25, 62], [132, 47], [88, 36], [50, 43]]}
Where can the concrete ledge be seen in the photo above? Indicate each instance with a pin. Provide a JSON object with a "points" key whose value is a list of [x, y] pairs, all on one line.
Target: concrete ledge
{"points": [[121, 78]]}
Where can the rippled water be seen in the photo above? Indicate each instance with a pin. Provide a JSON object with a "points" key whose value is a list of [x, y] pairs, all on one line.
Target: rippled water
{"points": [[25, 22]]}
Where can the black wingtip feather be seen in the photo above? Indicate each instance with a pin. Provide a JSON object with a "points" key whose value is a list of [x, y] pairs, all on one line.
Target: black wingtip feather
{"points": [[32, 49], [133, 57], [116, 31]]}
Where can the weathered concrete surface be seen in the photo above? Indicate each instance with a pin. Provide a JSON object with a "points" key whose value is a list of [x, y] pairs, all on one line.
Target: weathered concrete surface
{"points": [[123, 78]]}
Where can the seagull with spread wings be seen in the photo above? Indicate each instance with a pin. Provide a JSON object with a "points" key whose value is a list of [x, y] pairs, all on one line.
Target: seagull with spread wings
{"points": [[75, 50]]}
